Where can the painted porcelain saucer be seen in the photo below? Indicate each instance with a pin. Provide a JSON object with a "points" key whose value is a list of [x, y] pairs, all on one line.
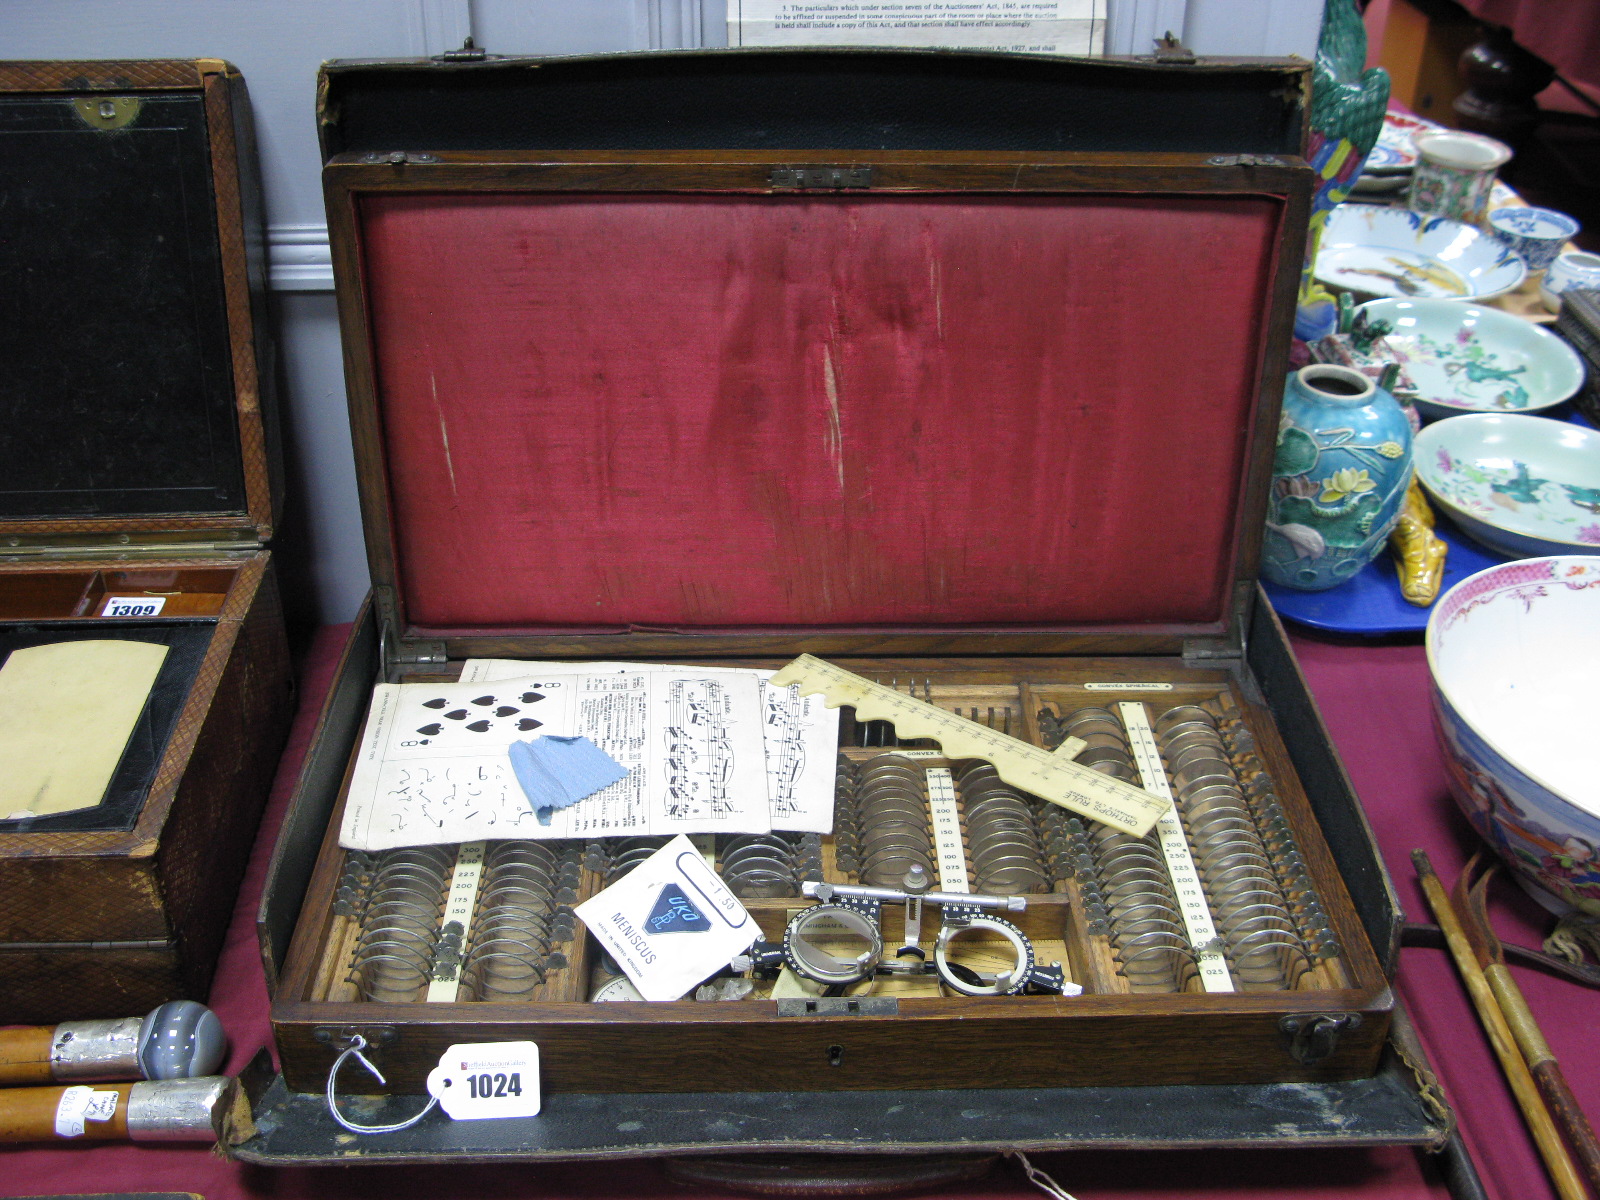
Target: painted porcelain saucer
{"points": [[1524, 486], [1396, 252], [1462, 358]]}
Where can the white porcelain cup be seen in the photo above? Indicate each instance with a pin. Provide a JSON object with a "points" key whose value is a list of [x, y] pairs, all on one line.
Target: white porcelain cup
{"points": [[1574, 269]]}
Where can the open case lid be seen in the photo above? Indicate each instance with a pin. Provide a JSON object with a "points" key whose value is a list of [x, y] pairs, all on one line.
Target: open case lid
{"points": [[851, 395], [131, 404]]}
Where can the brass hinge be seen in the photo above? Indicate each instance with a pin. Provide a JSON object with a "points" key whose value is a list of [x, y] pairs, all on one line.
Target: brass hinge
{"points": [[12, 549], [419, 653], [1312, 1037], [820, 178], [1244, 160]]}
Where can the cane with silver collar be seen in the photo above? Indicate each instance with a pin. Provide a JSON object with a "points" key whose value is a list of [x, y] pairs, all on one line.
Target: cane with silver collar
{"points": [[163, 1110], [178, 1040]]}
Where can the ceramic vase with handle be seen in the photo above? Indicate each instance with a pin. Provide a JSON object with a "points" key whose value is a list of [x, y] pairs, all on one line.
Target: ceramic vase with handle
{"points": [[1339, 478]]}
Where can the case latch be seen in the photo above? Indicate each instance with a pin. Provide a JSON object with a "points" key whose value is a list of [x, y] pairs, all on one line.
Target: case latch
{"points": [[839, 1006], [1314, 1036], [342, 1035], [108, 112], [817, 178], [1170, 49]]}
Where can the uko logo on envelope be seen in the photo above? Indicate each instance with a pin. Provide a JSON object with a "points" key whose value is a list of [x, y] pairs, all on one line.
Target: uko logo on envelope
{"points": [[670, 923], [674, 914]]}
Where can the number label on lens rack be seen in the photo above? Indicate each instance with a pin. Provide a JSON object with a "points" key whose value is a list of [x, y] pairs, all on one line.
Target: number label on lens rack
{"points": [[489, 1079], [133, 606]]}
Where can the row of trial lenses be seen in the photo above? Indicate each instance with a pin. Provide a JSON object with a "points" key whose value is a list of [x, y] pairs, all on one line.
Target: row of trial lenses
{"points": [[401, 901], [770, 865], [886, 831], [1294, 877], [1124, 879], [1260, 940], [614, 857], [1003, 840], [522, 917]]}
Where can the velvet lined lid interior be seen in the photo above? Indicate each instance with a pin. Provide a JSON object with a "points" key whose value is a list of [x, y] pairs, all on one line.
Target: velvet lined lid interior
{"points": [[866, 411]]}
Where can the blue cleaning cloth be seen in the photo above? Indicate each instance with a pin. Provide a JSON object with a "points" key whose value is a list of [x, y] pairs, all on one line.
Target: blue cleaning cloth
{"points": [[556, 772]]}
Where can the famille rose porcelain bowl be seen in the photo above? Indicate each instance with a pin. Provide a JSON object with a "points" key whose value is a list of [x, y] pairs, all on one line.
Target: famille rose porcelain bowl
{"points": [[1512, 651], [1522, 486], [1462, 358]]}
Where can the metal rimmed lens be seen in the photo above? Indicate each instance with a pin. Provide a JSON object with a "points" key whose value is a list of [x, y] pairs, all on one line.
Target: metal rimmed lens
{"points": [[832, 944]]}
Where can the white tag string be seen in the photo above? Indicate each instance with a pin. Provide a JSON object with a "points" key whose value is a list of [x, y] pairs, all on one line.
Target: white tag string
{"points": [[357, 1044], [1039, 1179]]}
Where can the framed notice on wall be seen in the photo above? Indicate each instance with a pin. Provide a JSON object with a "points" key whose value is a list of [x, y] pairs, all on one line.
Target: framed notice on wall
{"points": [[1027, 26]]}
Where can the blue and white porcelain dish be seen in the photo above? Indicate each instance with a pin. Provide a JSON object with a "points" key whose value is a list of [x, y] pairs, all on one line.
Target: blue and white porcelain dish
{"points": [[1463, 358], [1523, 486], [1511, 651], [1395, 252]]}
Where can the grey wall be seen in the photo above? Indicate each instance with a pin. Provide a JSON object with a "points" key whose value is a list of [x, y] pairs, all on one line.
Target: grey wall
{"points": [[278, 45]]}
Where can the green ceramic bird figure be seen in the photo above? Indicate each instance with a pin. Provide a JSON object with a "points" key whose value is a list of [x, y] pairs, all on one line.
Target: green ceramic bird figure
{"points": [[1347, 107]]}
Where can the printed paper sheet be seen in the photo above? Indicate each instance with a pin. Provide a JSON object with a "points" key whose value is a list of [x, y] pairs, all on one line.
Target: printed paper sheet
{"points": [[801, 734], [1028, 26], [433, 764]]}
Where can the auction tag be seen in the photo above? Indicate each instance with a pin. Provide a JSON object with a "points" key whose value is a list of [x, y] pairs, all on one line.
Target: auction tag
{"points": [[670, 922], [133, 606], [80, 1104], [487, 1079]]}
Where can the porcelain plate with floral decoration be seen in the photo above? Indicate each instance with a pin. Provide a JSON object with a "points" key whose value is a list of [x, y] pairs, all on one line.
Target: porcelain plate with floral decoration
{"points": [[1523, 486], [1396, 252], [1462, 358]]}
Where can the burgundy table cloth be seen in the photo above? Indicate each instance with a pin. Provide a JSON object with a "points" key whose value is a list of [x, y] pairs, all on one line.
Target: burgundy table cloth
{"points": [[1375, 701]]}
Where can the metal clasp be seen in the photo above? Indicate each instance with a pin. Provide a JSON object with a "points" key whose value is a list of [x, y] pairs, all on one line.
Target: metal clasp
{"points": [[830, 178], [108, 112], [1314, 1036]]}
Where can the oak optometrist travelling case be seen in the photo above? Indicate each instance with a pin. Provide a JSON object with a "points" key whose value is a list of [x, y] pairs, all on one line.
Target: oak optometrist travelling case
{"points": [[960, 371], [141, 477]]}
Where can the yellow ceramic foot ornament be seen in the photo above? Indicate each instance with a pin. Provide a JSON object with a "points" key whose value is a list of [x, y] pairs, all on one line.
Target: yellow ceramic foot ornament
{"points": [[1418, 551]]}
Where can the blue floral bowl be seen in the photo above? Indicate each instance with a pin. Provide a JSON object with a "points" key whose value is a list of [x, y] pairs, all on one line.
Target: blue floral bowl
{"points": [[1512, 652]]}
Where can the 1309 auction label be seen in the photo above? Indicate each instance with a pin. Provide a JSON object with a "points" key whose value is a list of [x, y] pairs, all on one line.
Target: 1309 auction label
{"points": [[133, 606], [487, 1079]]}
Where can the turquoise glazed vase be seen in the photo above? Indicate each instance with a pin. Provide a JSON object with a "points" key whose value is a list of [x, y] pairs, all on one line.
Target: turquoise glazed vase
{"points": [[1339, 477]]}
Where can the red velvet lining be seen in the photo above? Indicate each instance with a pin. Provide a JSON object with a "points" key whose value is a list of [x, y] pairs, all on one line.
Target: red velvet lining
{"points": [[866, 411]]}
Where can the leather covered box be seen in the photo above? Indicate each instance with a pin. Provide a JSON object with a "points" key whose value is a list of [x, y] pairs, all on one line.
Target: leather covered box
{"points": [[961, 371], [141, 478]]}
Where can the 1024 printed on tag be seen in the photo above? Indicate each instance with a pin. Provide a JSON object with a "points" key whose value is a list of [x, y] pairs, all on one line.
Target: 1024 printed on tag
{"points": [[475, 1082]]}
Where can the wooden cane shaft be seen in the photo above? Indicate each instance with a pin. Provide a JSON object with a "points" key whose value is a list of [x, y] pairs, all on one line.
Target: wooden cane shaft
{"points": [[1556, 1160], [29, 1115], [25, 1055]]}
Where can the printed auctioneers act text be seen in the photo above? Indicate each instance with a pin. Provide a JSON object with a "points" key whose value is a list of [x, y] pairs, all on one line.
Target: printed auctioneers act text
{"points": [[1026, 26]]}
